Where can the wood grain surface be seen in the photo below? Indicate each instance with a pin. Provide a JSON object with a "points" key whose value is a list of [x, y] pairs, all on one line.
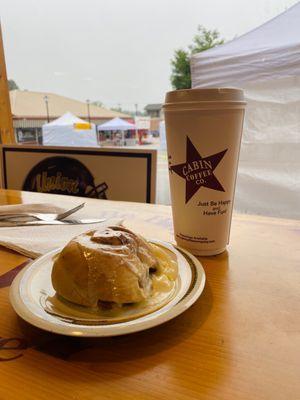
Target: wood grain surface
{"points": [[239, 341], [6, 122]]}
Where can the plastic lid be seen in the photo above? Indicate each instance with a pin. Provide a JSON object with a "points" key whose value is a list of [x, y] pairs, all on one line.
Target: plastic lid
{"points": [[198, 95]]}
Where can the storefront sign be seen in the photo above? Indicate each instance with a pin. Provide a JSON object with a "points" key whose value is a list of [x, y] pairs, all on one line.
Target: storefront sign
{"points": [[114, 174]]}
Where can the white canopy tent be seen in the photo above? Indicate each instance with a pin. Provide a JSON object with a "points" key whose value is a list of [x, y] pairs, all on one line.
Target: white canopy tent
{"points": [[266, 64], [68, 130], [117, 124]]}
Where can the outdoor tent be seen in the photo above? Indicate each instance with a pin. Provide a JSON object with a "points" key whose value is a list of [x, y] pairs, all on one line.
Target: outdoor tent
{"points": [[266, 64], [117, 124], [68, 130]]}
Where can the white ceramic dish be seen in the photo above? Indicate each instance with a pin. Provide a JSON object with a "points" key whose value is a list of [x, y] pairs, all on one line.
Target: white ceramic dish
{"points": [[32, 286]]}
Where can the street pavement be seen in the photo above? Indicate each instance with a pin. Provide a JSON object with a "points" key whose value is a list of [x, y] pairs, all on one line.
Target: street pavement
{"points": [[162, 187]]}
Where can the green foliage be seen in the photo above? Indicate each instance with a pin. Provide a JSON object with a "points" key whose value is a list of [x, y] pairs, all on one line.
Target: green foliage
{"points": [[12, 85], [97, 103], [129, 112], [181, 72], [205, 39], [119, 109]]}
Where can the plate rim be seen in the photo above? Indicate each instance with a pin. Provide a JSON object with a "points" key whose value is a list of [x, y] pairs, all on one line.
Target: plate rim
{"points": [[105, 331]]}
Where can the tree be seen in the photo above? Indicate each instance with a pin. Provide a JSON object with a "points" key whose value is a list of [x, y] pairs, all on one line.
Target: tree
{"points": [[181, 72], [97, 103], [129, 112], [12, 85]]}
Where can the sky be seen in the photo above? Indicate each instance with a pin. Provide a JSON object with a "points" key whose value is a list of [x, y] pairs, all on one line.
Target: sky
{"points": [[114, 51]]}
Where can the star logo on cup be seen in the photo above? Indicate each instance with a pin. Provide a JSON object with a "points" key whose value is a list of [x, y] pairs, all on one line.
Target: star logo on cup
{"points": [[198, 171]]}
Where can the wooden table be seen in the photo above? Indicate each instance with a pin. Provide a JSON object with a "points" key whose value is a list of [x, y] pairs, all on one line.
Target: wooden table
{"points": [[239, 341]]}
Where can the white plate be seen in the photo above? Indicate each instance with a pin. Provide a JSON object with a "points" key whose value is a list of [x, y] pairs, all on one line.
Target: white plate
{"points": [[27, 296]]}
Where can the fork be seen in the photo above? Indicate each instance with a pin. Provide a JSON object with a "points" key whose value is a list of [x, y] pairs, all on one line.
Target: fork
{"points": [[42, 216]]}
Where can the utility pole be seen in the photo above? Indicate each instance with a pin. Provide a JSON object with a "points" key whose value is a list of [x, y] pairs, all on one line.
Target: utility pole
{"points": [[88, 110], [46, 100], [135, 122]]}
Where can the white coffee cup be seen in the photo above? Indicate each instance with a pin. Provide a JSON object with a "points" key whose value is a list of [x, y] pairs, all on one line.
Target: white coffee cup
{"points": [[203, 131]]}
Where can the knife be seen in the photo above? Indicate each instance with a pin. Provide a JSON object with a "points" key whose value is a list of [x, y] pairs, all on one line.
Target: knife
{"points": [[55, 222]]}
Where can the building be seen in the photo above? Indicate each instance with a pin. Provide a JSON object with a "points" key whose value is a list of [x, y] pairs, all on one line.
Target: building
{"points": [[30, 110], [154, 110]]}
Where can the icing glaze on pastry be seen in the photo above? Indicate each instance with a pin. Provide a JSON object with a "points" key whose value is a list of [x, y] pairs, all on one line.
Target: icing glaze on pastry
{"points": [[112, 265]]}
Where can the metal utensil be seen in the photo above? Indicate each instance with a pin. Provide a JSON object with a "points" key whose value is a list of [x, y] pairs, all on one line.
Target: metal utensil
{"points": [[53, 222], [40, 216]]}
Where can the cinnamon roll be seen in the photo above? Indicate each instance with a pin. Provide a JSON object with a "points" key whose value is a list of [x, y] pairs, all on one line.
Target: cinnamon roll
{"points": [[110, 265]]}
